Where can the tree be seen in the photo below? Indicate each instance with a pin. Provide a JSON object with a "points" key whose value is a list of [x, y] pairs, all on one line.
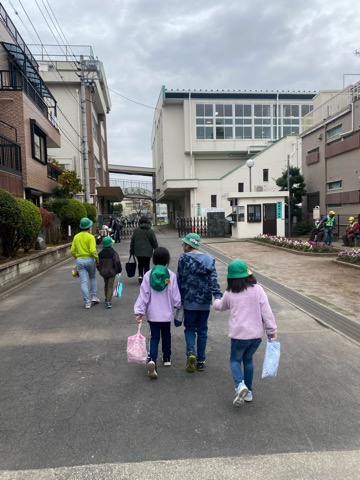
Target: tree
{"points": [[70, 185], [297, 189]]}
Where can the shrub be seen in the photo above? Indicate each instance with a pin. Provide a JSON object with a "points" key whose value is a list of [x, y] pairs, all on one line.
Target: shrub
{"points": [[70, 214], [47, 218], [30, 224], [303, 228], [10, 214], [90, 211]]}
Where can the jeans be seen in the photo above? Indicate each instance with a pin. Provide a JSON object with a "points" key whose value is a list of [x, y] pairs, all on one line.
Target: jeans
{"points": [[328, 238], [87, 270], [196, 323], [109, 288], [158, 329], [143, 265], [242, 351]]}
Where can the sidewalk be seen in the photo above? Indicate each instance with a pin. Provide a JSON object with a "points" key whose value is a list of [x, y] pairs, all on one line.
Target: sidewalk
{"points": [[319, 278]]}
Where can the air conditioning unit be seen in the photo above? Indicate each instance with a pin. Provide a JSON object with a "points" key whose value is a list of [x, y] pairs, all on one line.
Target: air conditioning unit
{"points": [[259, 188]]}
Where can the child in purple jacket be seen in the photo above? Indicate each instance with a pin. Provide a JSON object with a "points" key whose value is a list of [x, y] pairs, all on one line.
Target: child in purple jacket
{"points": [[158, 299], [250, 317]]}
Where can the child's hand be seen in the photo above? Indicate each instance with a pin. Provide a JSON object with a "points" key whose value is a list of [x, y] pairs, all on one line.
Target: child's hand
{"points": [[138, 318], [273, 336]]}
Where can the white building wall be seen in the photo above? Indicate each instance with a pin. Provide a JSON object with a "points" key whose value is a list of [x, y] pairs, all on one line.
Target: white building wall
{"points": [[177, 164]]}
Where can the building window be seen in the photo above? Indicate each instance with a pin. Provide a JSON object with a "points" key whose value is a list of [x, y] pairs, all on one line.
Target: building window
{"points": [[94, 128], [213, 201], [240, 187], [265, 175], [254, 213], [334, 185], [334, 131], [38, 142], [252, 121]]}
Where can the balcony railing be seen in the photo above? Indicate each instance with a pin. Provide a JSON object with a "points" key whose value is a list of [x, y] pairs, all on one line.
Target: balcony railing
{"points": [[16, 80], [10, 156]]}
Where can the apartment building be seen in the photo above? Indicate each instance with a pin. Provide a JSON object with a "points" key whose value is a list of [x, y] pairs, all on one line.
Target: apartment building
{"points": [[201, 141], [77, 80], [331, 153], [28, 120]]}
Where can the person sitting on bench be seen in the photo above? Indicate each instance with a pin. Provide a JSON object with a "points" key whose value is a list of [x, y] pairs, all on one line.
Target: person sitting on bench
{"points": [[317, 234], [352, 230]]}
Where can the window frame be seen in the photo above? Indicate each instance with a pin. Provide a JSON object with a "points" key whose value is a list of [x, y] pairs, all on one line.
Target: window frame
{"points": [[254, 217], [37, 132]]}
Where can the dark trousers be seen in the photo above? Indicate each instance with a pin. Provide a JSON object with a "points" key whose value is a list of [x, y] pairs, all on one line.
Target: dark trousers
{"points": [[349, 239], [316, 235], [143, 265], [109, 288], [160, 329]]}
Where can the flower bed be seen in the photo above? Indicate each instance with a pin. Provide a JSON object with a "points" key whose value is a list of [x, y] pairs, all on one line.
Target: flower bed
{"points": [[348, 256], [293, 244]]}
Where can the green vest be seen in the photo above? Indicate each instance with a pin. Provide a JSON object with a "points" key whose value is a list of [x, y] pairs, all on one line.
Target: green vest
{"points": [[330, 222]]}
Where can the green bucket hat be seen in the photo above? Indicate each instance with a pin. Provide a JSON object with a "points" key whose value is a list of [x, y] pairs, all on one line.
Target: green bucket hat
{"points": [[238, 269], [159, 278], [192, 239], [107, 242], [85, 223]]}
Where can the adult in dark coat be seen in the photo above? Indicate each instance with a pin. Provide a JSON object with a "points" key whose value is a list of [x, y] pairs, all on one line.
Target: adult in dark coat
{"points": [[143, 243]]}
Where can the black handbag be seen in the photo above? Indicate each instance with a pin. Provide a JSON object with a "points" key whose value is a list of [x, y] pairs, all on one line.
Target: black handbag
{"points": [[130, 267]]}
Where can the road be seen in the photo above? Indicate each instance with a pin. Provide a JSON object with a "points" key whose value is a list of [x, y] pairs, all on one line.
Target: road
{"points": [[72, 407]]}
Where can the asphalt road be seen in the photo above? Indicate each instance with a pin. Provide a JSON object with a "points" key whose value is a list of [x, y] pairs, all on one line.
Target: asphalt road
{"points": [[71, 407]]}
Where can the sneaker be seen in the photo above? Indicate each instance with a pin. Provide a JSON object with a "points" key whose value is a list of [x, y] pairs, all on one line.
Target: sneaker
{"points": [[240, 393], [152, 370], [108, 305], [190, 364], [140, 280], [94, 299], [167, 362], [200, 366], [248, 397], [88, 305]]}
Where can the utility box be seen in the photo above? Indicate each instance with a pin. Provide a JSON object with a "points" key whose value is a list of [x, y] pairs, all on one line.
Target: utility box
{"points": [[316, 213]]}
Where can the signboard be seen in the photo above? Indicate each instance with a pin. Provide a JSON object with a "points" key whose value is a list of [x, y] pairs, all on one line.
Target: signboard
{"points": [[198, 209], [216, 224], [278, 209]]}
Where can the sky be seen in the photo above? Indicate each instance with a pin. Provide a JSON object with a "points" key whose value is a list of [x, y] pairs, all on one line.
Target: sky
{"points": [[290, 45]]}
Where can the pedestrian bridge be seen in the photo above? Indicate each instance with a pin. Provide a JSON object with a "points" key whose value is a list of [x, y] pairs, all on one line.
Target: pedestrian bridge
{"points": [[131, 188]]}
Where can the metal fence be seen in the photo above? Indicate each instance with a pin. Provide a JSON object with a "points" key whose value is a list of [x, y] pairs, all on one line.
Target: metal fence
{"points": [[197, 225]]}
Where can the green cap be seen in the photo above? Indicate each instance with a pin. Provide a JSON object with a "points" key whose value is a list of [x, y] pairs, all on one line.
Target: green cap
{"points": [[192, 239], [107, 242], [85, 223], [159, 278], [238, 269]]}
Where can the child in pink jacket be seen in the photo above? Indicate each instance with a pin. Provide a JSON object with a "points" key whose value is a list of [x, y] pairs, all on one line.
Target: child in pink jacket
{"points": [[158, 299], [250, 317]]}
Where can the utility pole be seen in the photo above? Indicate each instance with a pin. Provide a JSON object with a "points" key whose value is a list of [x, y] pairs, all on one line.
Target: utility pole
{"points": [[85, 147], [289, 193]]}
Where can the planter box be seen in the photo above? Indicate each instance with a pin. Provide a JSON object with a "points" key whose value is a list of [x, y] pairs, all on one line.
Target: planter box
{"points": [[16, 271]]}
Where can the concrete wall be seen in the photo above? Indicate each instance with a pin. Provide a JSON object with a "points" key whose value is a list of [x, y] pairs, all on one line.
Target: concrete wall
{"points": [[16, 271]]}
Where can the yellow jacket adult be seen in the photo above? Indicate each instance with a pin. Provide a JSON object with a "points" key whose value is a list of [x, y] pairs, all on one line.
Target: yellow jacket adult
{"points": [[83, 248]]}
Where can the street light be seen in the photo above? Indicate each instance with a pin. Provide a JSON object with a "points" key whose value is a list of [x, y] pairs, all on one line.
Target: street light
{"points": [[250, 164]]}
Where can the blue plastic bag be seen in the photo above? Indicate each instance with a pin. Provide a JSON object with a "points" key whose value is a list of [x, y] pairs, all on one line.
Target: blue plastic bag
{"points": [[271, 360], [118, 286]]}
